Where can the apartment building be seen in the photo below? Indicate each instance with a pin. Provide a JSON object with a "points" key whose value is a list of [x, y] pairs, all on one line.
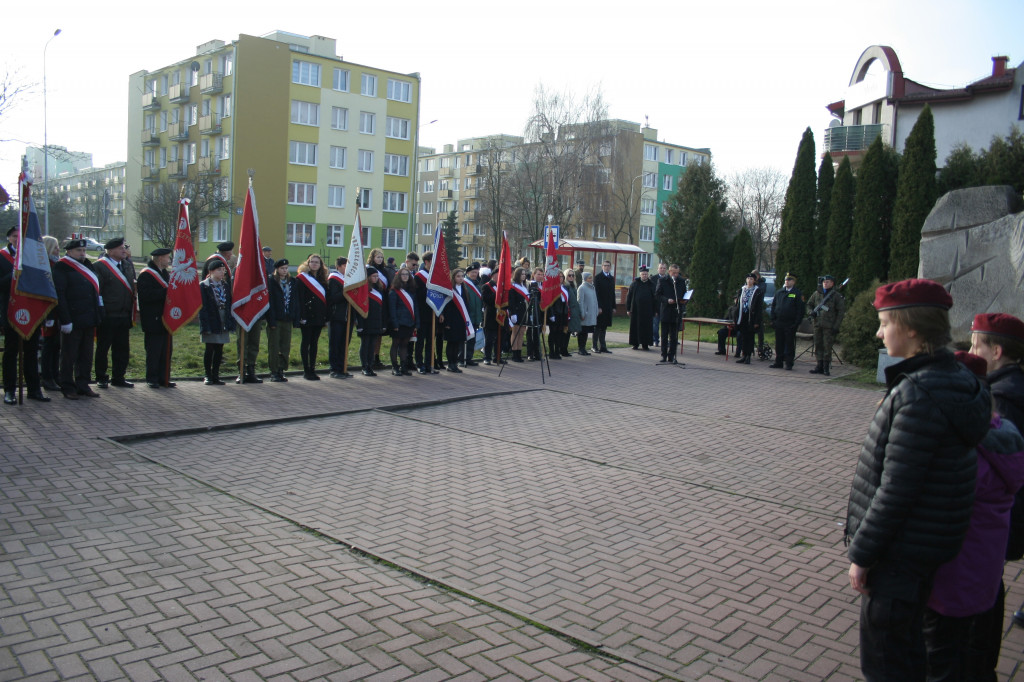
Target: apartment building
{"points": [[96, 200], [315, 130]]}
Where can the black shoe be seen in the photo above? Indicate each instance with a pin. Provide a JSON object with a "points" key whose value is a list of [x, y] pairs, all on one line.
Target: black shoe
{"points": [[170, 384], [472, 363], [89, 393], [70, 395], [720, 352], [337, 375], [740, 361], [367, 372], [153, 384], [102, 383], [121, 383], [396, 372], [487, 362], [605, 350], [789, 367], [554, 357], [9, 398], [583, 352], [50, 385], [36, 395], [825, 372], [422, 370], [816, 370], [776, 365], [276, 378], [454, 370], [636, 347], [311, 376], [646, 347]]}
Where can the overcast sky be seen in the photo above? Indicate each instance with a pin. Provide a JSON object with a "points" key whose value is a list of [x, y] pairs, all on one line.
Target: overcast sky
{"points": [[743, 78]]}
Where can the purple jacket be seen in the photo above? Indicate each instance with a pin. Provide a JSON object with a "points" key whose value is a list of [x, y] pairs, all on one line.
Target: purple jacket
{"points": [[968, 584]]}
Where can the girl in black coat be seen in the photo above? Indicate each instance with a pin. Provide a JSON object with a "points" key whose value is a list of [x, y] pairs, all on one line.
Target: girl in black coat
{"points": [[748, 317], [454, 318], [374, 325], [215, 320], [311, 294], [518, 304], [404, 319], [558, 321]]}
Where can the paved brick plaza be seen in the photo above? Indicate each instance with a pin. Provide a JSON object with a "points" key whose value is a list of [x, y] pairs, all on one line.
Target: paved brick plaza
{"points": [[447, 527]]}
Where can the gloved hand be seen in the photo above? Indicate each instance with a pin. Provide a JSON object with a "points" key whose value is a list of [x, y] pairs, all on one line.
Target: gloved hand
{"points": [[514, 319], [65, 328], [48, 323]]}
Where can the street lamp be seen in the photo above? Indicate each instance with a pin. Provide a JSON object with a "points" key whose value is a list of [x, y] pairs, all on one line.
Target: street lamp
{"points": [[46, 149]]}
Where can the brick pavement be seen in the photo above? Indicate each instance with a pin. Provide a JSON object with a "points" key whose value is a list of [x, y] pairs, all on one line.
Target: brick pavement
{"points": [[661, 514]]}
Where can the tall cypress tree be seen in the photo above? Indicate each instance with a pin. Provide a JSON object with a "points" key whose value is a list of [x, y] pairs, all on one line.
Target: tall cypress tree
{"points": [[796, 236], [823, 209], [705, 272], [698, 188], [840, 224], [915, 197], [872, 217], [743, 261]]}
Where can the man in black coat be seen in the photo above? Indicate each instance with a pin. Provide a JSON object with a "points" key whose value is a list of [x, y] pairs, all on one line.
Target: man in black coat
{"points": [[337, 314], [425, 342], [79, 312], [604, 284], [670, 292], [117, 290], [152, 290], [29, 347], [787, 313], [640, 305]]}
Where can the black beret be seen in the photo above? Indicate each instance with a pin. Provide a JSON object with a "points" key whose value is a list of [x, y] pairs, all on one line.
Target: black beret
{"points": [[159, 252], [214, 264], [279, 263], [473, 266], [114, 243], [226, 246], [370, 270], [75, 244], [11, 230], [643, 268], [265, 248]]}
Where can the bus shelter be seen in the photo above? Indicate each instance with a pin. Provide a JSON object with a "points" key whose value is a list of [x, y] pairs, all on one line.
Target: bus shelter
{"points": [[624, 257]]}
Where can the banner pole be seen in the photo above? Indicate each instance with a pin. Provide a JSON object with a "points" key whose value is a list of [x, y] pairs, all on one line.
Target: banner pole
{"points": [[21, 370], [433, 340], [167, 365], [241, 356], [348, 340]]}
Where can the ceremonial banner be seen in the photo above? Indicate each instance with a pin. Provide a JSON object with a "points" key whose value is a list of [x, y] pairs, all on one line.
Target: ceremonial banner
{"points": [[357, 285], [249, 294], [32, 292], [551, 288], [439, 280], [504, 280], [183, 297]]}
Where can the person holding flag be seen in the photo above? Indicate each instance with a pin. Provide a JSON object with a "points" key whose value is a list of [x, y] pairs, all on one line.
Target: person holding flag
{"points": [[311, 294], [439, 289], [356, 283], [79, 311], [152, 285], [249, 293], [12, 349], [182, 299], [424, 347], [337, 312], [374, 323]]}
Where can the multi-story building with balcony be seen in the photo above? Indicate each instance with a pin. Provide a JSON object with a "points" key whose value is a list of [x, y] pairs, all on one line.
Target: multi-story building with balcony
{"points": [[317, 132], [626, 176], [881, 102], [96, 200]]}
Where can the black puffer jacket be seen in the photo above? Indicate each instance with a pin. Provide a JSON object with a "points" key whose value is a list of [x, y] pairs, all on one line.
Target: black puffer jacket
{"points": [[913, 492], [1008, 389]]}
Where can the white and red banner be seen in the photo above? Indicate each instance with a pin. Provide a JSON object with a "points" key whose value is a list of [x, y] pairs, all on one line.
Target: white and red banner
{"points": [[250, 297], [550, 289], [439, 279], [357, 285], [183, 298], [32, 292]]}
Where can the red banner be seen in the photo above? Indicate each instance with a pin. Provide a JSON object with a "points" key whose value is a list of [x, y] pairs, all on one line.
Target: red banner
{"points": [[503, 282], [552, 287], [249, 294], [183, 298], [32, 291]]}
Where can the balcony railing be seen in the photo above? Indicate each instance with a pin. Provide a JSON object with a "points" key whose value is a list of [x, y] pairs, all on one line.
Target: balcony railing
{"points": [[149, 137], [177, 169], [178, 93], [177, 131], [150, 174], [209, 124], [852, 138], [208, 165], [474, 169], [444, 172], [149, 101], [471, 193], [211, 83], [444, 194]]}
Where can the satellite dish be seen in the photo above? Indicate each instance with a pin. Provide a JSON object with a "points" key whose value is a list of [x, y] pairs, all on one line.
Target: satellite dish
{"points": [[835, 123], [195, 66]]}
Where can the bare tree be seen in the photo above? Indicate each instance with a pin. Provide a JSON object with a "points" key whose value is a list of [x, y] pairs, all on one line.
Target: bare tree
{"points": [[13, 90], [156, 205], [756, 197]]}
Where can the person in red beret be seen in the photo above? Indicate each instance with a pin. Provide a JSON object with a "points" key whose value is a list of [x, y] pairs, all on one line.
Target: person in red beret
{"points": [[999, 339], [903, 525]]}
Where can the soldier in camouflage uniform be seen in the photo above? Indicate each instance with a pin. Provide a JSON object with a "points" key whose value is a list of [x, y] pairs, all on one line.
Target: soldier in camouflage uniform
{"points": [[826, 308]]}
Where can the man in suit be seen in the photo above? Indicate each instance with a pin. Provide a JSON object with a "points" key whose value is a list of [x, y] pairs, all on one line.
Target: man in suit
{"points": [[117, 291], [604, 283]]}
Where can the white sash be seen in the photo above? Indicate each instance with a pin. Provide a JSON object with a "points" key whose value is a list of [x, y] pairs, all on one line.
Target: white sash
{"points": [[156, 275], [314, 285], [376, 294], [83, 271], [468, 282], [334, 274], [464, 311], [522, 290], [406, 299], [113, 267], [8, 255]]}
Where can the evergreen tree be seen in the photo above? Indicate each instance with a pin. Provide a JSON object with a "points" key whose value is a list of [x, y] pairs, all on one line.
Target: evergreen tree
{"points": [[872, 217], [840, 224], [450, 230], [705, 270], [698, 188], [962, 169], [796, 236], [823, 210], [743, 261], [915, 197]]}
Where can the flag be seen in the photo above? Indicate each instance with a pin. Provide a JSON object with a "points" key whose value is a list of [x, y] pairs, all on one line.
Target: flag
{"points": [[439, 279], [357, 284], [249, 294], [33, 295], [504, 277], [183, 297], [552, 287]]}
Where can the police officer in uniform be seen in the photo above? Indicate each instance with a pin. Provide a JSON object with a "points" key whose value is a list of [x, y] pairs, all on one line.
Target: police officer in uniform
{"points": [[152, 289], [787, 313], [826, 309], [117, 289]]}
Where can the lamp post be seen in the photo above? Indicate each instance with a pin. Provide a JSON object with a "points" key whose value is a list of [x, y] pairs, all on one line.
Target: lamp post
{"points": [[46, 149]]}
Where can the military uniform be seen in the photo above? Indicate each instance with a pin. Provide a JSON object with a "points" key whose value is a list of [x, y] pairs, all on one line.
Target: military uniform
{"points": [[787, 313], [830, 308]]}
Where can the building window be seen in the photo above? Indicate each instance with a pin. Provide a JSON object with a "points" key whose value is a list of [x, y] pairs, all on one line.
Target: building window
{"points": [[192, 153], [367, 123], [339, 118], [224, 147], [666, 183], [647, 233], [228, 63], [225, 106], [394, 202], [365, 236], [650, 180], [643, 260], [221, 230], [399, 91], [682, 158], [163, 157], [163, 121], [369, 85], [465, 205], [366, 203], [305, 73], [366, 161], [648, 206], [335, 235], [464, 252], [396, 164], [397, 128], [302, 153], [668, 155], [336, 196], [302, 193], [478, 229], [478, 253], [599, 231], [341, 80], [650, 152], [305, 113], [203, 236], [391, 238], [442, 207], [193, 117], [339, 157], [428, 207], [428, 185], [299, 234]]}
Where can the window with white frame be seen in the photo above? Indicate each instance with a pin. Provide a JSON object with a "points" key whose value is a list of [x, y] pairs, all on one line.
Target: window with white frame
{"points": [[605, 149], [224, 147], [365, 237], [341, 80], [227, 63], [396, 164], [643, 260], [305, 113], [367, 122], [427, 229], [648, 206], [394, 202], [302, 193], [469, 183], [465, 228], [464, 252], [647, 233], [336, 196], [399, 91], [599, 231], [301, 234], [478, 253], [666, 183], [305, 73], [682, 158], [192, 153], [428, 185], [465, 205], [604, 175], [302, 153], [163, 84], [650, 180], [339, 157], [225, 105], [204, 147], [221, 230], [193, 77], [427, 207], [369, 87], [193, 114], [339, 118], [668, 154], [442, 207], [335, 235], [397, 128], [365, 161], [478, 230], [163, 157], [366, 200], [392, 238], [650, 152], [203, 234], [163, 121]]}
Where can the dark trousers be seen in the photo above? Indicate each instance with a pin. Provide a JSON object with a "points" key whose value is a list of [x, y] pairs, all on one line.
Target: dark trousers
{"points": [[400, 347], [452, 351], [724, 332], [964, 648], [490, 341], [337, 344], [669, 337], [424, 350], [309, 345], [112, 336], [745, 337], [469, 350], [367, 347], [76, 359], [158, 350], [555, 341], [252, 343], [30, 351], [892, 644], [581, 337], [656, 326], [599, 338], [785, 341], [533, 342], [212, 359], [50, 360]]}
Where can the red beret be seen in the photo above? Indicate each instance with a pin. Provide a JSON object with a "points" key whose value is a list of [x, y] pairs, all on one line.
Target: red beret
{"points": [[912, 292], [999, 323], [975, 363]]}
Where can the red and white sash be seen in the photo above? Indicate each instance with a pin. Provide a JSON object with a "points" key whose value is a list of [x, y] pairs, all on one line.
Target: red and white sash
{"points": [[423, 275], [522, 290], [565, 300], [334, 274], [468, 282], [407, 301], [8, 256], [376, 294], [113, 267], [83, 271], [460, 305], [313, 285], [156, 275]]}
